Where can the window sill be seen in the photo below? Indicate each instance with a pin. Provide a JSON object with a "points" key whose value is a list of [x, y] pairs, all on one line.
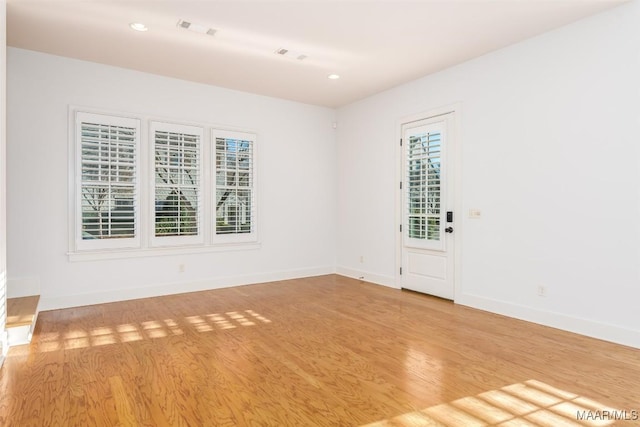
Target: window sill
{"points": [[154, 252]]}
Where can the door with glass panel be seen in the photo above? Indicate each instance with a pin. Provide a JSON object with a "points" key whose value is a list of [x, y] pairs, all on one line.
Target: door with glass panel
{"points": [[427, 204]]}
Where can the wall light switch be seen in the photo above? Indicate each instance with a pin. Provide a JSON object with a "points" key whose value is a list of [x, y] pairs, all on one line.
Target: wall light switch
{"points": [[475, 213]]}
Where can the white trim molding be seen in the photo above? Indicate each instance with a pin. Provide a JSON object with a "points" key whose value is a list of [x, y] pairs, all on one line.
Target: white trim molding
{"points": [[54, 302], [378, 279], [455, 154], [603, 331]]}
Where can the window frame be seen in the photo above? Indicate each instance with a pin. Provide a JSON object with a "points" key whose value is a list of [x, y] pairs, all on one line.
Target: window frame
{"points": [[185, 240], [145, 244], [80, 244], [427, 127], [234, 238]]}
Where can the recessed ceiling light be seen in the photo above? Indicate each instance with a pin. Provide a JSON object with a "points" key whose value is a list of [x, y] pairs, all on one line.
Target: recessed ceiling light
{"points": [[138, 26], [333, 76]]}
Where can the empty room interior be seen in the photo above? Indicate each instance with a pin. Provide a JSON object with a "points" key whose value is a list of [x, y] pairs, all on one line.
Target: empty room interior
{"points": [[320, 213]]}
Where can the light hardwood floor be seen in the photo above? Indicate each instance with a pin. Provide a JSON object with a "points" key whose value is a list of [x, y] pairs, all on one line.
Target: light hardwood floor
{"points": [[323, 351]]}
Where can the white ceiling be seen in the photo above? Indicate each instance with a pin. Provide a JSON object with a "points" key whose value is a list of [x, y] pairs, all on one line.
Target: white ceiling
{"points": [[372, 45]]}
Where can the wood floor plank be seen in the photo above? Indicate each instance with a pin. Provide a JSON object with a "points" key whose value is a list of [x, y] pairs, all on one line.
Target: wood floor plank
{"points": [[321, 351], [124, 407]]}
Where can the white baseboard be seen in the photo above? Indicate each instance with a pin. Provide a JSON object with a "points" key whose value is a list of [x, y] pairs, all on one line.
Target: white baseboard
{"points": [[53, 302], [603, 331], [378, 279], [18, 287]]}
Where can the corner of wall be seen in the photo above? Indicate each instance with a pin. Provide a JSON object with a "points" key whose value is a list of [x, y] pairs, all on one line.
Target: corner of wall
{"points": [[378, 279]]}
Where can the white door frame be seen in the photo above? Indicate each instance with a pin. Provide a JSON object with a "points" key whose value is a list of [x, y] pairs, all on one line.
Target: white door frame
{"points": [[455, 153]]}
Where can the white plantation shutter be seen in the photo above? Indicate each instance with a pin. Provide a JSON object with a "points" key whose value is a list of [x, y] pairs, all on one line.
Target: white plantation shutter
{"points": [[107, 181], [235, 190], [423, 192], [177, 160]]}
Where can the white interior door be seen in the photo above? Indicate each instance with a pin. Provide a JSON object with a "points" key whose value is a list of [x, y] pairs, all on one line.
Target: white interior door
{"points": [[427, 205]]}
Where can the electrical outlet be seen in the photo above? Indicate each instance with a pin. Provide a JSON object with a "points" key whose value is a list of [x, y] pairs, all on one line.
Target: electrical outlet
{"points": [[542, 291], [181, 268], [361, 259]]}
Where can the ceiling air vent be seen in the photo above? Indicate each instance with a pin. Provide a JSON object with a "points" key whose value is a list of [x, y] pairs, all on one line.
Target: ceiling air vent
{"points": [[196, 28], [290, 54]]}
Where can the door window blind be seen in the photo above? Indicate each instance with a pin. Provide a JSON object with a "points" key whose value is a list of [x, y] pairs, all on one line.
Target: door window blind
{"points": [[423, 189]]}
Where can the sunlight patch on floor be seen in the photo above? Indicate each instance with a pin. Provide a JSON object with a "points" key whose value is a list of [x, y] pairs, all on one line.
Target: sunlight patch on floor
{"points": [[530, 403], [150, 329]]}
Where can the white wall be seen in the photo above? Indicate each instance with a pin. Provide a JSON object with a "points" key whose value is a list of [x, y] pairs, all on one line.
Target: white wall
{"points": [[296, 182], [550, 135]]}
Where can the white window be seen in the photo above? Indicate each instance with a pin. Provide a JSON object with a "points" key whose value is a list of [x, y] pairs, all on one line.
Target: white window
{"points": [[177, 170], [197, 183], [235, 190], [106, 182]]}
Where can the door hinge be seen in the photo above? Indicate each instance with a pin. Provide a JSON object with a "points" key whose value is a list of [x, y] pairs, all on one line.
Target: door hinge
{"points": [[401, 228], [400, 142], [401, 185], [401, 271]]}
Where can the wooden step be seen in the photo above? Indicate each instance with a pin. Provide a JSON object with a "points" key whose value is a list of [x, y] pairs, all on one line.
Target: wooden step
{"points": [[22, 314]]}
